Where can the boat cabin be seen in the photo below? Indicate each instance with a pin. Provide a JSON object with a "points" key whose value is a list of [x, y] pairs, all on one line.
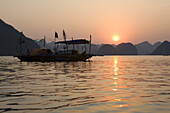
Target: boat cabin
{"points": [[41, 52], [68, 52], [72, 42]]}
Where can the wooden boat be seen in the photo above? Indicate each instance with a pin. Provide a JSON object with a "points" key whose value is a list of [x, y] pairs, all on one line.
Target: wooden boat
{"points": [[55, 58], [46, 55]]}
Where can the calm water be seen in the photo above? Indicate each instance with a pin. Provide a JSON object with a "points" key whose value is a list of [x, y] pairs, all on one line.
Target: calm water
{"points": [[131, 84]]}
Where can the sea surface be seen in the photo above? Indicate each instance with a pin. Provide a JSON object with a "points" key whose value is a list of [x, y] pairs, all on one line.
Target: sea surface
{"points": [[109, 84]]}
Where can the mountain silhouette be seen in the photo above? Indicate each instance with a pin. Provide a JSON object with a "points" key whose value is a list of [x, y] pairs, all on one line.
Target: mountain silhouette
{"points": [[154, 46], [10, 37], [9, 40], [126, 49], [41, 42], [107, 49], [145, 48], [163, 49]]}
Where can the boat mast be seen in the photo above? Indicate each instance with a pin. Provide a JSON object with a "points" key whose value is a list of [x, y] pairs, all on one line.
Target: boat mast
{"points": [[64, 36], [44, 41], [56, 36], [20, 42], [73, 44], [55, 44], [90, 45]]}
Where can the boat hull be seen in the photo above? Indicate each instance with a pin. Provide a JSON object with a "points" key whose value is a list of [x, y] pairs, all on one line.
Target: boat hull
{"points": [[68, 58]]}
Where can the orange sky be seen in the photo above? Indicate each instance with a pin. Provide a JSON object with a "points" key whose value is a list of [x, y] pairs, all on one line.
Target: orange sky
{"points": [[133, 20]]}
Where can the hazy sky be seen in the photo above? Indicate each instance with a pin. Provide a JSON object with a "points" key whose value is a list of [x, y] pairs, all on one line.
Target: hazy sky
{"points": [[133, 20]]}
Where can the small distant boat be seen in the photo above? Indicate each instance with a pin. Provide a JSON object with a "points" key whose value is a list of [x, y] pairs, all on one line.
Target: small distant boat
{"points": [[46, 55], [165, 55]]}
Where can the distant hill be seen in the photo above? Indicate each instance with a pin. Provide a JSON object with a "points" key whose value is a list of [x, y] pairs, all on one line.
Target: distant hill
{"points": [[40, 42], [163, 49], [9, 40], [126, 49], [145, 48], [154, 46], [107, 49]]}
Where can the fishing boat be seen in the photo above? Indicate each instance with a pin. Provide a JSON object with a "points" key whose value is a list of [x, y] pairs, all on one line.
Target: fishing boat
{"points": [[46, 55]]}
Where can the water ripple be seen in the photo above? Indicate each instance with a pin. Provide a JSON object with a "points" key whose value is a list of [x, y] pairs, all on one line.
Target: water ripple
{"points": [[128, 84]]}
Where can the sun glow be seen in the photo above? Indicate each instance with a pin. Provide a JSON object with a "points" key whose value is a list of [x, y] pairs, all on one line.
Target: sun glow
{"points": [[115, 38]]}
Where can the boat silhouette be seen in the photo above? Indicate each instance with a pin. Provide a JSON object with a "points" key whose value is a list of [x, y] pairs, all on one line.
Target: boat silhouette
{"points": [[46, 55]]}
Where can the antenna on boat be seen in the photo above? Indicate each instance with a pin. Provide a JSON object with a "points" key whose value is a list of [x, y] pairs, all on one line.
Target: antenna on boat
{"points": [[90, 45]]}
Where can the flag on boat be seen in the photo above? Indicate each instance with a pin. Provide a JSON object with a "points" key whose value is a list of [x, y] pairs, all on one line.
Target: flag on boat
{"points": [[64, 35], [56, 35]]}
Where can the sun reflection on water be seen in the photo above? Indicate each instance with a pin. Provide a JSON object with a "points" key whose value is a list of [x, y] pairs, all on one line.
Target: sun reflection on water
{"points": [[115, 73], [116, 84]]}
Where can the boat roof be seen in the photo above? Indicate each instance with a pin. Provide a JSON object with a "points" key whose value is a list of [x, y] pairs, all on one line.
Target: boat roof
{"points": [[78, 41]]}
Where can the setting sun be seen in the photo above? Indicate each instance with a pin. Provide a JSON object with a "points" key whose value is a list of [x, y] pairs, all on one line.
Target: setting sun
{"points": [[115, 38]]}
